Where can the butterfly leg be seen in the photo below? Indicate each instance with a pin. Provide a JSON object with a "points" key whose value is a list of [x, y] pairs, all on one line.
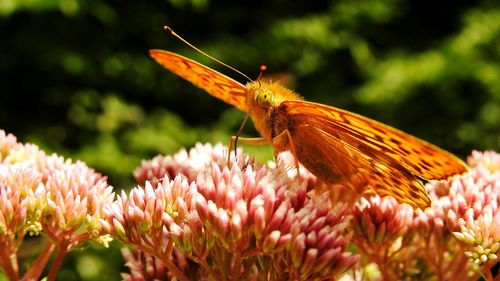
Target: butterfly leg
{"points": [[284, 141], [232, 141]]}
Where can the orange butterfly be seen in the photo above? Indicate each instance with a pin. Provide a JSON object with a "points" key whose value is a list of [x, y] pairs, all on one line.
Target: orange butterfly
{"points": [[337, 146]]}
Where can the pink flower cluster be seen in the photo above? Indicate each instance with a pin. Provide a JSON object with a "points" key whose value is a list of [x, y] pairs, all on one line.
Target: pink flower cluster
{"points": [[45, 194], [252, 221], [246, 222], [196, 217], [457, 238]]}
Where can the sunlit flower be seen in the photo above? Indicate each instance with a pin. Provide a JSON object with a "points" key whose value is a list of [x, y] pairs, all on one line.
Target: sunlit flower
{"points": [[381, 233], [466, 208], [489, 160], [40, 193], [25, 153], [149, 217], [76, 196], [475, 204], [22, 197], [188, 163], [247, 209], [144, 267], [482, 234], [214, 214], [381, 220], [7, 142], [320, 236]]}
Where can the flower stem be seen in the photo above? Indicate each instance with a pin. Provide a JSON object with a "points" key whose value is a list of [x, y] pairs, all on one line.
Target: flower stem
{"points": [[379, 257], [236, 270], [487, 271], [6, 262], [41, 261], [62, 250], [165, 260], [203, 263], [173, 269]]}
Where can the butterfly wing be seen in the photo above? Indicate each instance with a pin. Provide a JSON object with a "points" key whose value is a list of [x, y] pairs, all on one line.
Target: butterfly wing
{"points": [[379, 141], [215, 83], [338, 145], [326, 155]]}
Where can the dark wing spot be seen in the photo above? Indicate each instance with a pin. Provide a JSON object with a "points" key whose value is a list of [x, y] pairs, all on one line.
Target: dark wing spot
{"points": [[437, 163], [413, 194], [404, 150], [426, 163], [393, 140], [396, 181]]}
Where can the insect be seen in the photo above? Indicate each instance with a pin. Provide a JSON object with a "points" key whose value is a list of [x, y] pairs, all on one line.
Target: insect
{"points": [[336, 145]]}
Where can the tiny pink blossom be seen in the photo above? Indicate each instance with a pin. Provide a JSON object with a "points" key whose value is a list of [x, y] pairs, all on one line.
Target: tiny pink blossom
{"points": [[381, 220], [248, 210], [76, 196], [188, 163], [7, 143], [320, 236], [488, 160], [21, 200], [144, 267]]}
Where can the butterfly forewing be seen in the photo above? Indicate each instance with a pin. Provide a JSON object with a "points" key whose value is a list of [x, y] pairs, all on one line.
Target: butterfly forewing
{"points": [[215, 83], [380, 142]]}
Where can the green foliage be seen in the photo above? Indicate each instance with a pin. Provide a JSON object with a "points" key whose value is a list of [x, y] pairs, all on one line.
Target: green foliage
{"points": [[75, 76]]}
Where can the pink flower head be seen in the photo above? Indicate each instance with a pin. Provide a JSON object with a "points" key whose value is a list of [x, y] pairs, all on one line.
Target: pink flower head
{"points": [[466, 208], [381, 220], [475, 200], [488, 160], [7, 143], [318, 250], [189, 164], [223, 218], [21, 200], [382, 232], [144, 267], [155, 219], [148, 216], [482, 235], [40, 193], [248, 210], [76, 196]]}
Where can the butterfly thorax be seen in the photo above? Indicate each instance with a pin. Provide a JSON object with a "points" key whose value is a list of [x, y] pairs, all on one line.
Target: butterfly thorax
{"points": [[263, 97]]}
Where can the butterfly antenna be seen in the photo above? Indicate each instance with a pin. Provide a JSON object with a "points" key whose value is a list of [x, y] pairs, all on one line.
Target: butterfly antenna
{"points": [[172, 32], [262, 69], [239, 132]]}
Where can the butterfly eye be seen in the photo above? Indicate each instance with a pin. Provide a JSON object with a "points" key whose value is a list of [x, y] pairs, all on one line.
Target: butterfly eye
{"points": [[264, 98]]}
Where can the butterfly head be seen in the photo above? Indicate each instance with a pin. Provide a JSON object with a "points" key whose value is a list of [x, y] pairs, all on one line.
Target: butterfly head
{"points": [[259, 95], [265, 94], [264, 97]]}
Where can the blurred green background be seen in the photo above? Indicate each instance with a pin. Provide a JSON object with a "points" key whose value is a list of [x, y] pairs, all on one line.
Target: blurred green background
{"points": [[76, 79]]}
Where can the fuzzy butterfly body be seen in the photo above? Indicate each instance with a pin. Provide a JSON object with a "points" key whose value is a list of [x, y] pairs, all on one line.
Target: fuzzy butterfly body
{"points": [[337, 146]]}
